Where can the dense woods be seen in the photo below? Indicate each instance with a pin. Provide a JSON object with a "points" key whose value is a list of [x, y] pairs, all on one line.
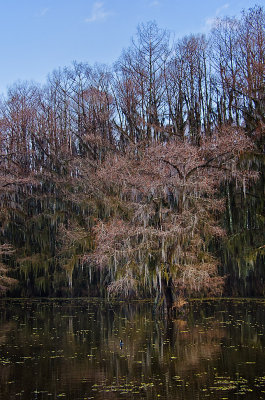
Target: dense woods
{"points": [[144, 179]]}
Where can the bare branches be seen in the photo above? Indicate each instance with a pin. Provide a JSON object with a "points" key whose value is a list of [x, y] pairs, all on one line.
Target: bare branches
{"points": [[134, 156], [170, 191]]}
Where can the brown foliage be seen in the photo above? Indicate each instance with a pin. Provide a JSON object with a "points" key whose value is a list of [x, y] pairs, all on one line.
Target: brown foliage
{"points": [[169, 203]]}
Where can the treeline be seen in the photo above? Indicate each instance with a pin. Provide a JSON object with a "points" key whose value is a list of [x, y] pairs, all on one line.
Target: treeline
{"points": [[149, 147]]}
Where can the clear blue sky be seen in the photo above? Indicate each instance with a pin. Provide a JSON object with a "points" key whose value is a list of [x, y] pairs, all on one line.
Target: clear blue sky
{"points": [[38, 36]]}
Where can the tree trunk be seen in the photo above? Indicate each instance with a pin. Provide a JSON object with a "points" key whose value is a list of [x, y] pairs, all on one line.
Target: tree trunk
{"points": [[168, 295]]}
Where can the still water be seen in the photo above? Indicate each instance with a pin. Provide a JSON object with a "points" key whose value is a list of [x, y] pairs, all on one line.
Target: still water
{"points": [[51, 349]]}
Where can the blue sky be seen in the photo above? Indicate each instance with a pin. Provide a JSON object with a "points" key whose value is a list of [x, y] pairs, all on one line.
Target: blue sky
{"points": [[38, 36]]}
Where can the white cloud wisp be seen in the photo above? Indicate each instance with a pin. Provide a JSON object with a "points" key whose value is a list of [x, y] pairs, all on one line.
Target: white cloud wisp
{"points": [[98, 13]]}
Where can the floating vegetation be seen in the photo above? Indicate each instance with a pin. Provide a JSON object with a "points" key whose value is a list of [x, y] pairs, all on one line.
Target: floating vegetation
{"points": [[76, 353], [4, 361]]}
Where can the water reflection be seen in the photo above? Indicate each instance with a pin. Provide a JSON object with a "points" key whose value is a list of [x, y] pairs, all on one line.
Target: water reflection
{"points": [[73, 350]]}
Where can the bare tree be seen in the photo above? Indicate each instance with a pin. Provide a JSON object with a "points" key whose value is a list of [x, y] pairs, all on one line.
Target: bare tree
{"points": [[141, 68]]}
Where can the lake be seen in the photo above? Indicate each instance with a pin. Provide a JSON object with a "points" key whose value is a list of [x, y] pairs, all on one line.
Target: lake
{"points": [[70, 349]]}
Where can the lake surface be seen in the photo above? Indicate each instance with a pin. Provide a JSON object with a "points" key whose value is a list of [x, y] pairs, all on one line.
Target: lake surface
{"points": [[70, 349]]}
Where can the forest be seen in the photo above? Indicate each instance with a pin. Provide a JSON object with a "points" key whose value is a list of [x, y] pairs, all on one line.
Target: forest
{"points": [[144, 179]]}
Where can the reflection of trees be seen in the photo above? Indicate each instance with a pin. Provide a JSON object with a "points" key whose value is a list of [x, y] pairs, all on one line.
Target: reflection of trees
{"points": [[76, 347], [204, 344], [5, 329], [150, 346], [69, 347]]}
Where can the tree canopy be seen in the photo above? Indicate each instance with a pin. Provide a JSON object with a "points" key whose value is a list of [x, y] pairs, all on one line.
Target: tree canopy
{"points": [[140, 179]]}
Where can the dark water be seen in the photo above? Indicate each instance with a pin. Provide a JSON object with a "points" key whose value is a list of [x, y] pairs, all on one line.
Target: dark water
{"points": [[71, 350]]}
